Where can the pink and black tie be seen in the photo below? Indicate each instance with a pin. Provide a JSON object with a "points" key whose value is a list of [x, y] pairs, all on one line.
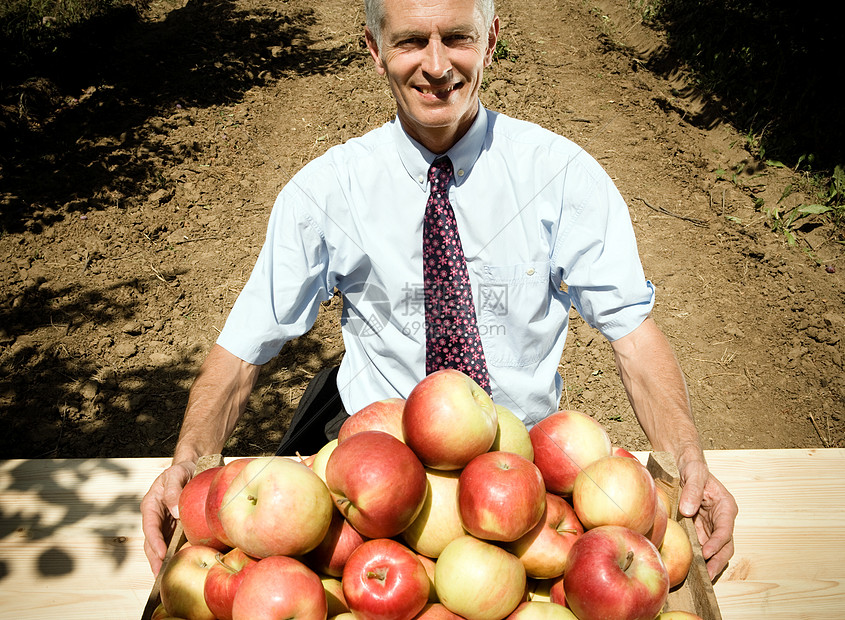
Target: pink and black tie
{"points": [[452, 338]]}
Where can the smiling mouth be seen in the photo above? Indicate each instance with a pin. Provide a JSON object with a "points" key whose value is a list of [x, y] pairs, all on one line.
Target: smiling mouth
{"points": [[437, 92]]}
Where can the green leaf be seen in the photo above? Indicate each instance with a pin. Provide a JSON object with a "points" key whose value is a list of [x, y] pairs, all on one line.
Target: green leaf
{"points": [[813, 209]]}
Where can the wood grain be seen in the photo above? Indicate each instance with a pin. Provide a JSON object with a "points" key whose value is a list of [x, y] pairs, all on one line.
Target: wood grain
{"points": [[71, 544]]}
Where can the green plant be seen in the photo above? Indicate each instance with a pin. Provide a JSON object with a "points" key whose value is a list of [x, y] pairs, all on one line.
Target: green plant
{"points": [[503, 51]]}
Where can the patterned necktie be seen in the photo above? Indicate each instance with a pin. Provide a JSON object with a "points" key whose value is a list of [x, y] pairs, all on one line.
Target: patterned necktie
{"points": [[451, 333]]}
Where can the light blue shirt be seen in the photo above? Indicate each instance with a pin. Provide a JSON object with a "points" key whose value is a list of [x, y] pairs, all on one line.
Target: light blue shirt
{"points": [[543, 228]]}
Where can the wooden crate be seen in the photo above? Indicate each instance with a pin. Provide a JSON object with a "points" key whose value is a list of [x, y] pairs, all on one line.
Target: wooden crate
{"points": [[695, 594], [177, 540]]}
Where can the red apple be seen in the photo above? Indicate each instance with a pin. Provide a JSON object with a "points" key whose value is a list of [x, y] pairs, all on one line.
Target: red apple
{"points": [[501, 496], [449, 420], [615, 490], [564, 444], [383, 579], [223, 580], [436, 611], [192, 501], [620, 451], [544, 549], [330, 556], [676, 552], [663, 498], [377, 483], [614, 572], [511, 434], [216, 490], [280, 587], [479, 580], [540, 610], [439, 521], [334, 596], [661, 517], [183, 580], [429, 566], [383, 415], [557, 591], [276, 506]]}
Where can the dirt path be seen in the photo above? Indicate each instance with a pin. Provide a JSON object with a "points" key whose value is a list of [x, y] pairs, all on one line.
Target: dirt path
{"points": [[136, 214]]}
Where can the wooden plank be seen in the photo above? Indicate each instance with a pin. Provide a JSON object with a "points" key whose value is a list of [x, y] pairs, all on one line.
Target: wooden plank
{"points": [[782, 599], [71, 544], [789, 535]]}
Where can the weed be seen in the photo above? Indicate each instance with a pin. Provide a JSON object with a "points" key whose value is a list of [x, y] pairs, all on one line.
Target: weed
{"points": [[503, 51]]}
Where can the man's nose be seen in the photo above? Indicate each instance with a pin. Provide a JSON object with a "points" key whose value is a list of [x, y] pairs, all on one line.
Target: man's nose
{"points": [[436, 61]]}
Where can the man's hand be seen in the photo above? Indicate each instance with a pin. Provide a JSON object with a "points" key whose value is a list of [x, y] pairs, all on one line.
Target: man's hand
{"points": [[713, 510], [160, 509]]}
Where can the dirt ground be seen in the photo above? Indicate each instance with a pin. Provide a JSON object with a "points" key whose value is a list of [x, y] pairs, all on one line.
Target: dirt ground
{"points": [[134, 213]]}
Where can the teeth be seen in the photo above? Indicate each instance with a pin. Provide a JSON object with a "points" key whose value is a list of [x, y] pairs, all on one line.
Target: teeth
{"points": [[436, 91]]}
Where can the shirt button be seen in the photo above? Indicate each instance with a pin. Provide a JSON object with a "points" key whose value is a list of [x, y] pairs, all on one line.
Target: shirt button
{"points": [[530, 272], [461, 172], [421, 178]]}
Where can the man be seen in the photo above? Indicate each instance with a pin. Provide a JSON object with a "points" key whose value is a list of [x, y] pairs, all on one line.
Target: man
{"points": [[541, 227]]}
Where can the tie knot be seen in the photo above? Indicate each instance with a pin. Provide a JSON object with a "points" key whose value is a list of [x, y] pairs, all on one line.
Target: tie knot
{"points": [[440, 172]]}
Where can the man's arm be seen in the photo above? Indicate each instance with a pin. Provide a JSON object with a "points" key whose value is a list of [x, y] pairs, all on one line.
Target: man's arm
{"points": [[658, 394], [218, 398]]}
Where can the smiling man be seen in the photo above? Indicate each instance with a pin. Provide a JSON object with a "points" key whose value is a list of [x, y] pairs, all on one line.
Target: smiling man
{"points": [[458, 238]]}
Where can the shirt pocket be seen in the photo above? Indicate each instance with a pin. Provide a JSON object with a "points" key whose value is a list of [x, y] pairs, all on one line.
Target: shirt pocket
{"points": [[514, 317]]}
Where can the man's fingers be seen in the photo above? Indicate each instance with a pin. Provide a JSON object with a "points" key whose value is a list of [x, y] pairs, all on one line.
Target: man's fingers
{"points": [[693, 478], [719, 560]]}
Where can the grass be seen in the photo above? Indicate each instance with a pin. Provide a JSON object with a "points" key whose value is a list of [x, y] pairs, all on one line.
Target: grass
{"points": [[33, 29], [773, 68]]}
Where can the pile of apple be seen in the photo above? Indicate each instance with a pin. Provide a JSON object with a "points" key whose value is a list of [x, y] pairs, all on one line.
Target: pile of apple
{"points": [[443, 505]]}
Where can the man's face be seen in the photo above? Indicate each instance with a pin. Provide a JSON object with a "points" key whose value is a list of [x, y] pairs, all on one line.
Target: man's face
{"points": [[433, 53]]}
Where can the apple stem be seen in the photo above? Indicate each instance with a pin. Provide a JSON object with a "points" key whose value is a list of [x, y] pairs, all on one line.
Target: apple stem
{"points": [[252, 499], [219, 557], [380, 574], [628, 560]]}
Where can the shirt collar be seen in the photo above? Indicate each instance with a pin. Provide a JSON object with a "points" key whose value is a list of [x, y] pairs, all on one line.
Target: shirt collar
{"points": [[417, 159]]}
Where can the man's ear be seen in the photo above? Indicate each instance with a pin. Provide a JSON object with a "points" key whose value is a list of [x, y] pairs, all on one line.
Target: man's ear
{"points": [[492, 37], [372, 45]]}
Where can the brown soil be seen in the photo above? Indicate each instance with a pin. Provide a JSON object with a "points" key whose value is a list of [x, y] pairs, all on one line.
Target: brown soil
{"points": [[135, 211]]}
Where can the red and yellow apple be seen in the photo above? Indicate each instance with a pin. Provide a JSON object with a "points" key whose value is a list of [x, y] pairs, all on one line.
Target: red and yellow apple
{"points": [[614, 572], [479, 580], [512, 435], [280, 587], [438, 522], [382, 415], [384, 579], [183, 581], [564, 444], [545, 548], [377, 483], [192, 502], [676, 552], [615, 490], [449, 420], [501, 496], [330, 556], [276, 506], [223, 580], [216, 491]]}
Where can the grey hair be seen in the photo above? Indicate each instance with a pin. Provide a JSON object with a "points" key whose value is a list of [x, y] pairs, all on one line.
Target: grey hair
{"points": [[374, 10]]}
